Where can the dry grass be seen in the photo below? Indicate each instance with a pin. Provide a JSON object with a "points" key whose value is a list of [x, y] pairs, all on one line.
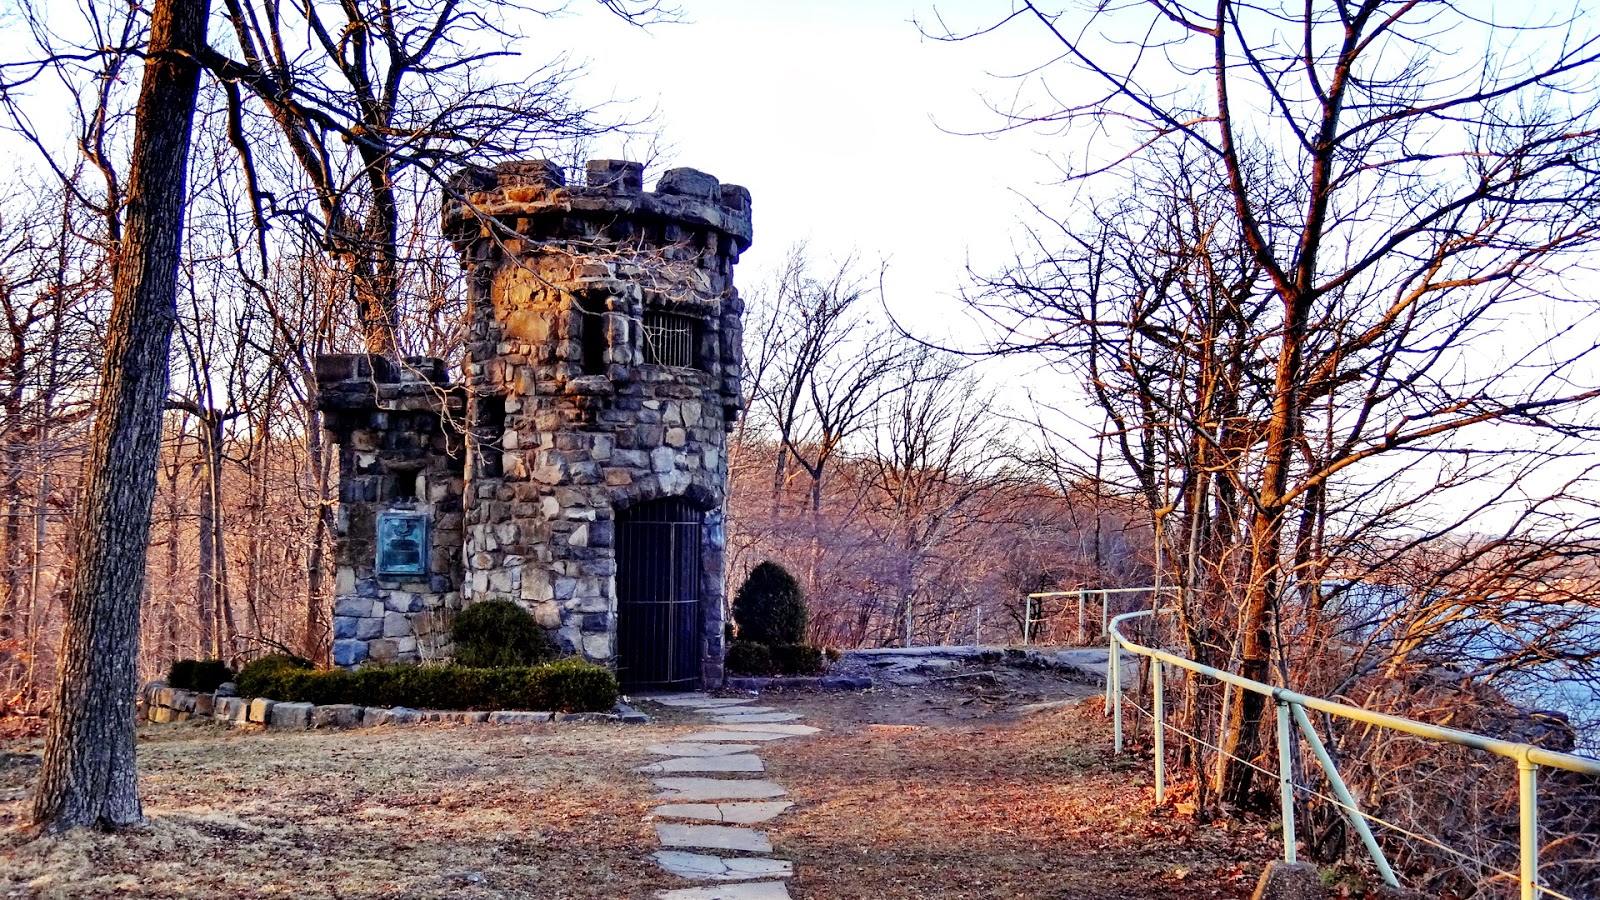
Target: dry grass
{"points": [[439, 811], [937, 792], [993, 807]]}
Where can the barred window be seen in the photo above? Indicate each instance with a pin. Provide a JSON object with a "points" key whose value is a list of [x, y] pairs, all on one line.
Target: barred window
{"points": [[671, 340]]}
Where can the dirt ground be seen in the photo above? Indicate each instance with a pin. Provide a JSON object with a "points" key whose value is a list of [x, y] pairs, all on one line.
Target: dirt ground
{"points": [[944, 790], [949, 791], [419, 812]]}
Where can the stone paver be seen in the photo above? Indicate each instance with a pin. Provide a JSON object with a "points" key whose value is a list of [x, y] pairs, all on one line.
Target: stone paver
{"points": [[713, 837], [689, 749], [700, 700], [714, 806], [766, 727], [745, 813], [736, 763], [692, 789], [716, 868], [758, 717], [749, 890], [746, 735]]}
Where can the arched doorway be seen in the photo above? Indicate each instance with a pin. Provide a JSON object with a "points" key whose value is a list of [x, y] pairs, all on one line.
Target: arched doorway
{"points": [[658, 595]]}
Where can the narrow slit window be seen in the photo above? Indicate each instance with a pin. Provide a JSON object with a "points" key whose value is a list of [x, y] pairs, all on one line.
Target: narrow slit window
{"points": [[488, 427], [671, 340], [592, 334]]}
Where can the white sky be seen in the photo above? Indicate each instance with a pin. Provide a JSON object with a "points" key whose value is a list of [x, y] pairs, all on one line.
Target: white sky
{"points": [[830, 112]]}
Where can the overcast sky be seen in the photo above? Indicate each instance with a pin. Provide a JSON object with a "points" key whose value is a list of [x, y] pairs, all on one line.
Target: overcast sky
{"points": [[837, 116]]}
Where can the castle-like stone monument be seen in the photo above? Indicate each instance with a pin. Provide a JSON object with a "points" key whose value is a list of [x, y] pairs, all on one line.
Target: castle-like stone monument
{"points": [[579, 465]]}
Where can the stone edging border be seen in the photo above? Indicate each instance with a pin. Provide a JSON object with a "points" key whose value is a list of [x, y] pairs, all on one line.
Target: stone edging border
{"points": [[816, 682], [159, 704]]}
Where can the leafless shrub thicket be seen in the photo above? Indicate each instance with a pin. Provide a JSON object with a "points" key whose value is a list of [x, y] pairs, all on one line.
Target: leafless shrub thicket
{"points": [[886, 476]]}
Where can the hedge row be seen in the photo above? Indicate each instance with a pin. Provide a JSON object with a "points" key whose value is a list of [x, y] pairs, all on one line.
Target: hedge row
{"points": [[203, 675], [754, 658], [564, 686]]}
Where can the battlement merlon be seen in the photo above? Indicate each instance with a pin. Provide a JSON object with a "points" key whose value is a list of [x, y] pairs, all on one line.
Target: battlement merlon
{"points": [[359, 383], [531, 199]]}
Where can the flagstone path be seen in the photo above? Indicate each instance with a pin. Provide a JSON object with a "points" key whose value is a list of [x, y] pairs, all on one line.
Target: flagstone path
{"points": [[711, 781]]}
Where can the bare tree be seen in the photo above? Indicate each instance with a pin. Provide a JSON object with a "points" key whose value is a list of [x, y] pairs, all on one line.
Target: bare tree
{"points": [[376, 101], [820, 367], [937, 459], [89, 774], [45, 346], [1372, 212]]}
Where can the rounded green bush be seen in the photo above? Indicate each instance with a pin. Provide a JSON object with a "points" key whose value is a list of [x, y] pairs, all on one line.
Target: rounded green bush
{"points": [[748, 658], [499, 633], [770, 607], [259, 676], [203, 675]]}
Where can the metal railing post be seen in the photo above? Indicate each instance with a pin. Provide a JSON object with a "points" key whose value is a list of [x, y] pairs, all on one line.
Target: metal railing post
{"points": [[1341, 791], [1114, 679], [1158, 711], [1286, 783], [1290, 703], [1082, 635], [1105, 612], [1528, 788], [1110, 649], [1027, 618]]}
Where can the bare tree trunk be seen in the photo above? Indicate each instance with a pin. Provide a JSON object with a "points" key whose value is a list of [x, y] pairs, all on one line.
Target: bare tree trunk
{"points": [[89, 772], [317, 450], [205, 585], [12, 625], [174, 536], [211, 527], [31, 621], [259, 497]]}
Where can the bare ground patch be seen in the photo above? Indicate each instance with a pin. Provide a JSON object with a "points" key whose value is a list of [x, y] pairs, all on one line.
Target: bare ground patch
{"points": [[943, 790], [420, 812], [950, 792]]}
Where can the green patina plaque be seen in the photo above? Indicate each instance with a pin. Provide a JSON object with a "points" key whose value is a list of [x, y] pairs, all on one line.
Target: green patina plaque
{"points": [[402, 543]]}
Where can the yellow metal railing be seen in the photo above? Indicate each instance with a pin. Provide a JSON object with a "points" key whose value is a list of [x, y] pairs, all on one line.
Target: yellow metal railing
{"points": [[1293, 706]]}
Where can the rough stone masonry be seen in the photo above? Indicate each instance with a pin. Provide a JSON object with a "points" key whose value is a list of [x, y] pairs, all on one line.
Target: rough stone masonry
{"points": [[602, 373]]}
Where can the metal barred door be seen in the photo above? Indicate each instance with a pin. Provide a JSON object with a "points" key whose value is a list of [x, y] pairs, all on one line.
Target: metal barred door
{"points": [[658, 595]]}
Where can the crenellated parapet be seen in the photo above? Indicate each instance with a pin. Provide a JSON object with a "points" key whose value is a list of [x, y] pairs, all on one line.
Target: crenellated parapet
{"points": [[532, 199]]}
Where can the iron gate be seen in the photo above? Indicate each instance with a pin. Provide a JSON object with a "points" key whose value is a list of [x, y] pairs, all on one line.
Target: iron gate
{"points": [[658, 595]]}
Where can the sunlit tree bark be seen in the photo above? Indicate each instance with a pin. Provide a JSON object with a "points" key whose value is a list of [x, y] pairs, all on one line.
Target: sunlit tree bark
{"points": [[88, 777]]}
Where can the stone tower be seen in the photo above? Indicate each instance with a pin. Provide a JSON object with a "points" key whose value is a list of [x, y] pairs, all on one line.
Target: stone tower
{"points": [[602, 374]]}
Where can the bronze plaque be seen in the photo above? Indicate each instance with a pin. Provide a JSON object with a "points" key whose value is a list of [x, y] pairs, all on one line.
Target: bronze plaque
{"points": [[402, 543]]}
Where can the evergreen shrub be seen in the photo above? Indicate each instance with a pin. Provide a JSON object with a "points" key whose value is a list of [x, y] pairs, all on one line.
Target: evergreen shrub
{"points": [[797, 659], [748, 658], [203, 675], [258, 673], [753, 658], [495, 633], [568, 685], [770, 608]]}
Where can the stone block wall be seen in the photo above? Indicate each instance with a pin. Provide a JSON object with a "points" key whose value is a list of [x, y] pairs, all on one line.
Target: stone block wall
{"points": [[397, 426], [572, 420]]}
